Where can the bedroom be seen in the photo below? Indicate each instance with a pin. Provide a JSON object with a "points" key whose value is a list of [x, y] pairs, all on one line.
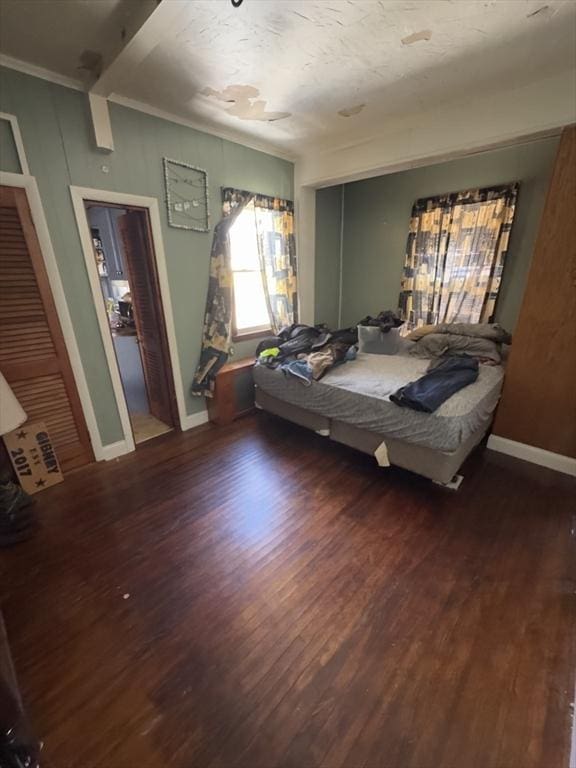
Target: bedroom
{"points": [[242, 591]]}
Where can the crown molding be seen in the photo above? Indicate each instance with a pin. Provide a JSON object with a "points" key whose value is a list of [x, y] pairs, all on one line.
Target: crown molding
{"points": [[44, 74], [68, 82], [233, 136]]}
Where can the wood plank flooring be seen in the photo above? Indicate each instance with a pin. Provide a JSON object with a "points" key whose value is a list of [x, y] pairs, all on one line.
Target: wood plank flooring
{"points": [[256, 596]]}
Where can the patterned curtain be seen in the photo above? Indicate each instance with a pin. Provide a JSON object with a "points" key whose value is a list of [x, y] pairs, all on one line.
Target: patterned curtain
{"points": [[217, 331], [277, 251], [455, 255]]}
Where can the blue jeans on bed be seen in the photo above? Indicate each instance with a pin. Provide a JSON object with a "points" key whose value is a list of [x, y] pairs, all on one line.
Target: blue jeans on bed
{"points": [[441, 382]]}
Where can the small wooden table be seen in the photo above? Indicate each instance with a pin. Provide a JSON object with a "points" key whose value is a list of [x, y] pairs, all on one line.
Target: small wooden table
{"points": [[233, 392]]}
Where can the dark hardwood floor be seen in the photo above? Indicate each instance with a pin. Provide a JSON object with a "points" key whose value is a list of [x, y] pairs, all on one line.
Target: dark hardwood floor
{"points": [[258, 596]]}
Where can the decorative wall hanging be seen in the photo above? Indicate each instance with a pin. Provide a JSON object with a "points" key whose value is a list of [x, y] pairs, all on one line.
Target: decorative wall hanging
{"points": [[186, 196]]}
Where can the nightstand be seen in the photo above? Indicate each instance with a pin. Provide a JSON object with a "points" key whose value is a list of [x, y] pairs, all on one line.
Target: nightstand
{"points": [[233, 392]]}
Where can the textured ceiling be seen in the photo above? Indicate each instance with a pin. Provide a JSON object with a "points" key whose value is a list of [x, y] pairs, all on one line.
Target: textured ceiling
{"points": [[304, 73], [55, 33]]}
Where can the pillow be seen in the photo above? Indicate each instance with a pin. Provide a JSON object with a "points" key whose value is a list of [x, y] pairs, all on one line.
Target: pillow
{"points": [[450, 344], [374, 342], [492, 331], [423, 330]]}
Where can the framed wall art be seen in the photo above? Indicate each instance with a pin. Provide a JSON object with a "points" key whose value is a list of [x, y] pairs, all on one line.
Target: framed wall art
{"points": [[186, 196]]}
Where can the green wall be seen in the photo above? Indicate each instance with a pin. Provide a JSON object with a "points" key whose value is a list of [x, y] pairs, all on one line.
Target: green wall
{"points": [[327, 261], [57, 134], [377, 214]]}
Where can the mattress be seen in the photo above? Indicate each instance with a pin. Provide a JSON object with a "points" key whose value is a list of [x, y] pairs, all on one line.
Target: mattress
{"points": [[358, 393]]}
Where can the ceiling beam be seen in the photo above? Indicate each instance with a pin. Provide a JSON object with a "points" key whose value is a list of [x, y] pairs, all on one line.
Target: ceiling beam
{"points": [[148, 25], [100, 115]]}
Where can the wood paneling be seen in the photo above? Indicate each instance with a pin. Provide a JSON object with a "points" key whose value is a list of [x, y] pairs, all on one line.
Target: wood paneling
{"points": [[61, 151], [33, 355], [538, 405], [254, 596]]}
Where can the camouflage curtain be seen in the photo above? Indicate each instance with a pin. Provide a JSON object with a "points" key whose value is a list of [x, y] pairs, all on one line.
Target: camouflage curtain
{"points": [[455, 255], [277, 251], [217, 331]]}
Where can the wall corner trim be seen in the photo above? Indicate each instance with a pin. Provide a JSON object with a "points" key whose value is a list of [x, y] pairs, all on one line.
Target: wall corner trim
{"points": [[192, 420], [533, 454], [18, 143], [228, 134], [101, 122], [341, 255]]}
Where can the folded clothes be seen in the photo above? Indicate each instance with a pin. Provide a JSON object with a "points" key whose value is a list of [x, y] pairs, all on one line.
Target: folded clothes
{"points": [[439, 383]]}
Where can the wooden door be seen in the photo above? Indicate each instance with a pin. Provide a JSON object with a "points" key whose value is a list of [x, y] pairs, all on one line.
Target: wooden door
{"points": [[33, 355], [538, 405], [148, 316]]}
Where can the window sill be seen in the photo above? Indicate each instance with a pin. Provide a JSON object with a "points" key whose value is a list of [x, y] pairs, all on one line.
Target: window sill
{"points": [[249, 335]]}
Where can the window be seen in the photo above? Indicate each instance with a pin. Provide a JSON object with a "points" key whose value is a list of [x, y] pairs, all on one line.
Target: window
{"points": [[250, 309]]}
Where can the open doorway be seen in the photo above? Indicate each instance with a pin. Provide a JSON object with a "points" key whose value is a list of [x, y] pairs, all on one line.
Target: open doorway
{"points": [[124, 255]]}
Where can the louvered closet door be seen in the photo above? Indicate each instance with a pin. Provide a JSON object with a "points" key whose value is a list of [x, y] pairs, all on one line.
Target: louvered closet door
{"points": [[33, 356], [147, 314]]}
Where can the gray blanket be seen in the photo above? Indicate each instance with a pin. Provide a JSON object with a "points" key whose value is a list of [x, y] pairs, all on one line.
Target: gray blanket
{"points": [[358, 393]]}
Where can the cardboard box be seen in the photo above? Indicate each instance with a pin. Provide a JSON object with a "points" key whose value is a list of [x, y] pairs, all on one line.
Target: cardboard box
{"points": [[33, 457]]}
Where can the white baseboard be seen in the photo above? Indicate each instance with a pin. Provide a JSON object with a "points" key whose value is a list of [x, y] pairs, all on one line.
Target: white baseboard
{"points": [[535, 455], [194, 420], [114, 450]]}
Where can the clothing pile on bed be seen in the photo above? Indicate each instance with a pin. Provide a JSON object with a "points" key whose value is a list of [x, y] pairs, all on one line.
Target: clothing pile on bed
{"points": [[385, 321], [456, 350], [308, 352]]}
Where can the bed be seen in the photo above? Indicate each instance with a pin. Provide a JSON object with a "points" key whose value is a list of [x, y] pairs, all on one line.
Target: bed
{"points": [[351, 405]]}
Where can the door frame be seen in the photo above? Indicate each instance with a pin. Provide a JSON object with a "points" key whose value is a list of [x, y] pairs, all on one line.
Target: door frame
{"points": [[151, 277], [29, 185], [81, 195]]}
